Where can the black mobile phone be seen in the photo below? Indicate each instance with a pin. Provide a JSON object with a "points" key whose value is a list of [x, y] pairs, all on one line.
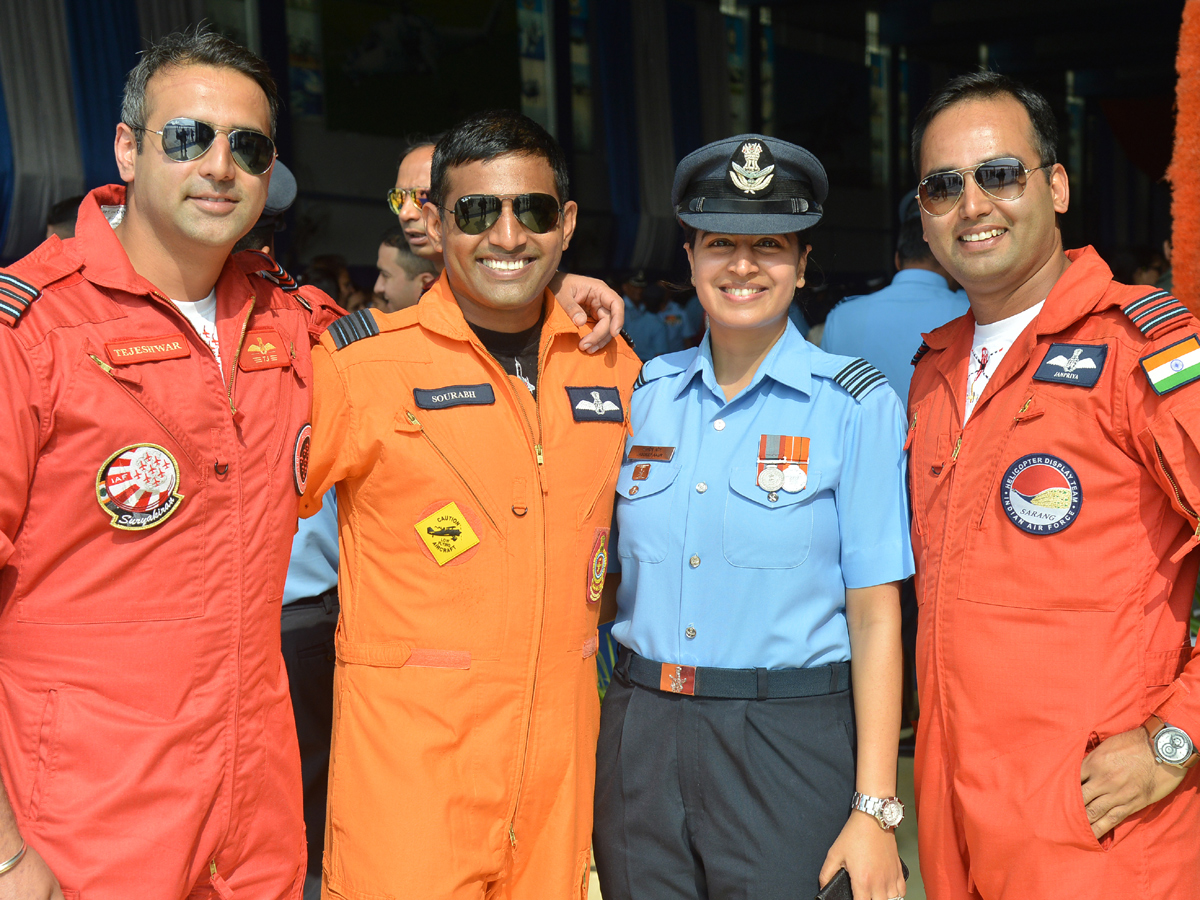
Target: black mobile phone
{"points": [[838, 887]]}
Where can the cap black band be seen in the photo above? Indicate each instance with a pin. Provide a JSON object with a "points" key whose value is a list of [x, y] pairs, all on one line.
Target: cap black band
{"points": [[792, 206]]}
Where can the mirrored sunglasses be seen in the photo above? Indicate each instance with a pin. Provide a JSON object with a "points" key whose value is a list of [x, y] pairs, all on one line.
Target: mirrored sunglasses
{"points": [[187, 139], [1000, 179], [397, 197], [476, 213]]}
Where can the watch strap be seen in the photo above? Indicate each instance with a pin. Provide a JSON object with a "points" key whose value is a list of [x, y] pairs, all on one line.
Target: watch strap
{"points": [[1153, 726]]}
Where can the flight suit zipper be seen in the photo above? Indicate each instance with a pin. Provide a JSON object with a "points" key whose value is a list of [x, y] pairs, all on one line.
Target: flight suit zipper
{"points": [[116, 378], [1162, 464], [453, 468], [238, 354]]}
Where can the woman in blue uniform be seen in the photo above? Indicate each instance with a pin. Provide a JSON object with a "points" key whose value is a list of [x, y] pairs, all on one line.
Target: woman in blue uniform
{"points": [[748, 739]]}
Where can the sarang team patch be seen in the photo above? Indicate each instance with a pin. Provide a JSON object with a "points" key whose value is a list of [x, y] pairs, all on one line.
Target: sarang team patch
{"points": [[1041, 494]]}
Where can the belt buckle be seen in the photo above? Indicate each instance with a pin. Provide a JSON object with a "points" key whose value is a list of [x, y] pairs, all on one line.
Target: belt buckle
{"points": [[677, 679]]}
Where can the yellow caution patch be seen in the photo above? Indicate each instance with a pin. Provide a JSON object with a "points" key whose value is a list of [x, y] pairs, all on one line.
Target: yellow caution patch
{"points": [[447, 533]]}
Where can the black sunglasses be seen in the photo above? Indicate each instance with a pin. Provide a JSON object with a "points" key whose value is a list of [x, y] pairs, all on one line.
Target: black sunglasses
{"points": [[476, 213], [188, 139], [1000, 179]]}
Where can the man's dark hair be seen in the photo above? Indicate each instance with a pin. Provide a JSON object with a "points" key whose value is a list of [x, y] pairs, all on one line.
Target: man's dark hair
{"points": [[416, 142], [412, 264], [196, 46], [490, 134], [986, 86], [64, 211], [261, 235], [911, 247]]}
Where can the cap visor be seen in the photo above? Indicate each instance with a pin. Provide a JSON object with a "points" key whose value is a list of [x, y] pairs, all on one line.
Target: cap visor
{"points": [[740, 223]]}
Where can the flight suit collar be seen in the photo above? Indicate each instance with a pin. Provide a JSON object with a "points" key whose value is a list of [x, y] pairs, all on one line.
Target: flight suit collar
{"points": [[438, 311], [788, 362]]}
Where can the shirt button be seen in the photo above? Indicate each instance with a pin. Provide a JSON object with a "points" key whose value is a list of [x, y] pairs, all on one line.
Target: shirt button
{"points": [[701, 488], [691, 632], [719, 424], [694, 561]]}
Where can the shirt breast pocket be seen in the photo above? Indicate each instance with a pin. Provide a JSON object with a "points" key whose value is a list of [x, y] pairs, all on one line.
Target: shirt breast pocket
{"points": [[765, 533], [644, 509]]}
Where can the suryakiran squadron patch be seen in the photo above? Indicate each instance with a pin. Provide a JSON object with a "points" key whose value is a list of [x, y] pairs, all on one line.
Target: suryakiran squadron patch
{"points": [[136, 487], [1041, 494], [598, 567]]}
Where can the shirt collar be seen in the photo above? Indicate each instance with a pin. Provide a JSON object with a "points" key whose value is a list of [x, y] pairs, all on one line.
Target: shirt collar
{"points": [[788, 363], [919, 276]]}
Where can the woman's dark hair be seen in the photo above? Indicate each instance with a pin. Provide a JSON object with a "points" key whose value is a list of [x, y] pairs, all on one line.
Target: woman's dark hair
{"points": [[490, 134], [987, 86], [192, 47]]}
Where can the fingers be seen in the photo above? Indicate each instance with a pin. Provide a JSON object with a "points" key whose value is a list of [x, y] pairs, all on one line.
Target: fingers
{"points": [[601, 334]]}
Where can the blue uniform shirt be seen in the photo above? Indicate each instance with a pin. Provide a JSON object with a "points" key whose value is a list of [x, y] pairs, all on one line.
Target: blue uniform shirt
{"points": [[313, 567], [701, 546], [885, 327]]}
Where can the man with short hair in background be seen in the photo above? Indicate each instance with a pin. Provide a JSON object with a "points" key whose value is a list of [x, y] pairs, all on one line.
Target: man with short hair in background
{"points": [[61, 219], [474, 449], [403, 275]]}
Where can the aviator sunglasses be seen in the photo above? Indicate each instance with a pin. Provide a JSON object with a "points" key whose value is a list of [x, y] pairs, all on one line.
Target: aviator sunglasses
{"points": [[1000, 179], [187, 139], [476, 213], [397, 197]]}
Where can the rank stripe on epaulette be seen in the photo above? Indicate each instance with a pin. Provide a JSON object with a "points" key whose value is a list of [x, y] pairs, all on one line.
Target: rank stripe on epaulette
{"points": [[31, 293], [921, 351], [9, 309], [275, 272], [859, 378], [641, 379], [354, 327], [1152, 312]]}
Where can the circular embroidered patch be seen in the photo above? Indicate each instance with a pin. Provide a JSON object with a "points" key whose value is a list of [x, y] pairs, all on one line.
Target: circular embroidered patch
{"points": [[136, 487], [1041, 494], [300, 458], [599, 566]]}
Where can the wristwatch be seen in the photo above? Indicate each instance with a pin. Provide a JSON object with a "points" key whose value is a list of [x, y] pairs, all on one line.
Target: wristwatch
{"points": [[1171, 745], [887, 811]]}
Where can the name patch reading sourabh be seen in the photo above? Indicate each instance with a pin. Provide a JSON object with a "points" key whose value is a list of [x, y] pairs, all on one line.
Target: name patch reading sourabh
{"points": [[455, 395], [1041, 494], [136, 487]]}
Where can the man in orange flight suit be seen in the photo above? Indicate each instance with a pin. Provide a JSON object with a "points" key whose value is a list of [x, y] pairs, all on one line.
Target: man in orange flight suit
{"points": [[474, 448], [1054, 534]]}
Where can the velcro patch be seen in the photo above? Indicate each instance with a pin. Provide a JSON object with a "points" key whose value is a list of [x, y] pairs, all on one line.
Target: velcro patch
{"points": [[264, 349], [150, 349], [455, 395], [1078, 365], [1173, 366], [596, 404], [446, 533]]}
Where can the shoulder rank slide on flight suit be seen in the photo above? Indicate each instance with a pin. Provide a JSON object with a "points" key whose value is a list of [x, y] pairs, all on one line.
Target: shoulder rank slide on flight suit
{"points": [[15, 297], [921, 351], [1153, 312], [859, 378], [354, 327]]}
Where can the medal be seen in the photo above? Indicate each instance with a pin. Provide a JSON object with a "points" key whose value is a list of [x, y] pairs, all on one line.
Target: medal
{"points": [[771, 479], [782, 463], [795, 479]]}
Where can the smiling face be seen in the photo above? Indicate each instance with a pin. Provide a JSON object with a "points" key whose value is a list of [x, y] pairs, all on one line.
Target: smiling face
{"points": [[498, 276], [992, 247], [414, 173], [745, 282], [209, 200]]}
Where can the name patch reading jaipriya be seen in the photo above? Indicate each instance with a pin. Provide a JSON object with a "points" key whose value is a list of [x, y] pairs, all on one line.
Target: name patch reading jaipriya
{"points": [[1075, 364], [596, 404], [455, 395], [151, 349], [1041, 494]]}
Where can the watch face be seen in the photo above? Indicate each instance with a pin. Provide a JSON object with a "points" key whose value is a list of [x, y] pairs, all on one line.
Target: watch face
{"points": [[1172, 745], [892, 812]]}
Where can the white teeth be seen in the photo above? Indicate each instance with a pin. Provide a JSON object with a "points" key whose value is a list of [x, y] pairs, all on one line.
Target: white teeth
{"points": [[983, 235], [742, 292], [505, 265]]}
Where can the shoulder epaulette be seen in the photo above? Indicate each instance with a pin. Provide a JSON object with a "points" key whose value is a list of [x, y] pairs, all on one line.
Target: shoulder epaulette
{"points": [[658, 367], [15, 297], [273, 271], [859, 378], [639, 381], [921, 351], [354, 327], [1152, 313]]}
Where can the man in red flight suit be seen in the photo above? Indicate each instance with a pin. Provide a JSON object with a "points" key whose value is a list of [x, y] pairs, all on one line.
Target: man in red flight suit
{"points": [[1055, 481], [155, 403]]}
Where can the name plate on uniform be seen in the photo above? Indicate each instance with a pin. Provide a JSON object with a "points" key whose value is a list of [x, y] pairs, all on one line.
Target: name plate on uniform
{"points": [[1078, 365], [655, 454], [136, 350], [455, 395]]}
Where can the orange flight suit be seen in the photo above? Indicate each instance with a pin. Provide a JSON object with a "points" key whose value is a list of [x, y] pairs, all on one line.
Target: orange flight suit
{"points": [[465, 710], [1054, 538]]}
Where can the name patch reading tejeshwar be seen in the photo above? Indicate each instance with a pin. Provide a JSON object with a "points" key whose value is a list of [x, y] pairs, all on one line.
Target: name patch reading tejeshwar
{"points": [[455, 395], [151, 349]]}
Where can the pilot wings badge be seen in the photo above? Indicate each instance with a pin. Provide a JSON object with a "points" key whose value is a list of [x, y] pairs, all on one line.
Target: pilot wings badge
{"points": [[596, 404], [1078, 365], [1074, 362], [756, 171]]}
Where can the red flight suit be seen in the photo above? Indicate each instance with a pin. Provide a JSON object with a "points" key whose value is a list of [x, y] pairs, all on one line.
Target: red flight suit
{"points": [[1053, 538], [147, 506]]}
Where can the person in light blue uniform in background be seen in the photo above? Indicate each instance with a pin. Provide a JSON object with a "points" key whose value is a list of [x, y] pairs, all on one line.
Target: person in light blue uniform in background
{"points": [[762, 529], [886, 326], [309, 620], [645, 330]]}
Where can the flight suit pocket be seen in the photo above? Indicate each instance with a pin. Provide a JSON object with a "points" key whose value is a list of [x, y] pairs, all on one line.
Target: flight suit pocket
{"points": [[644, 509], [767, 529]]}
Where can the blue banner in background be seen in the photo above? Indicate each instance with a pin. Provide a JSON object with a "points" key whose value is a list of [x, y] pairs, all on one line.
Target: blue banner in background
{"points": [[6, 172], [105, 41]]}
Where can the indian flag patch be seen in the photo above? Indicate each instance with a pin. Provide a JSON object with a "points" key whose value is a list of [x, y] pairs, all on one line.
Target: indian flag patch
{"points": [[1173, 366]]}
